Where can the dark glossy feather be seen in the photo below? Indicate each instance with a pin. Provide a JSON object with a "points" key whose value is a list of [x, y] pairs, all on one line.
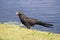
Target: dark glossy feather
{"points": [[28, 21]]}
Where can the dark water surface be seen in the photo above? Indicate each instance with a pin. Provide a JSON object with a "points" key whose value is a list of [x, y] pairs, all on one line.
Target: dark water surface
{"points": [[44, 10]]}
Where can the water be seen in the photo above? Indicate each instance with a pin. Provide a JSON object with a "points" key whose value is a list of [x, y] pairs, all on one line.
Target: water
{"points": [[44, 10]]}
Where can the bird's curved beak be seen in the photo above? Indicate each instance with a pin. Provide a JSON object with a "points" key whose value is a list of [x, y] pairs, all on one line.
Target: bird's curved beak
{"points": [[17, 13]]}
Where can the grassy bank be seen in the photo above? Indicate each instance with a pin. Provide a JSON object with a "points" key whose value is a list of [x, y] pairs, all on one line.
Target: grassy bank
{"points": [[14, 32]]}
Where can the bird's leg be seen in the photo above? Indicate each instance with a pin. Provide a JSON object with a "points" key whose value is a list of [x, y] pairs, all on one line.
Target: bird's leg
{"points": [[27, 25]]}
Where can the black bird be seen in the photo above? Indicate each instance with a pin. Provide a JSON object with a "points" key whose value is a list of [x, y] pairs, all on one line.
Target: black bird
{"points": [[28, 21]]}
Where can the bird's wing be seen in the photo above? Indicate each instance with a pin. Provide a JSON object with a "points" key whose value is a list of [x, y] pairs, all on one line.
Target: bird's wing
{"points": [[32, 20]]}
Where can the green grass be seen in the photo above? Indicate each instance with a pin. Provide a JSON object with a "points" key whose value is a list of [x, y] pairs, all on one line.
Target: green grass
{"points": [[14, 32]]}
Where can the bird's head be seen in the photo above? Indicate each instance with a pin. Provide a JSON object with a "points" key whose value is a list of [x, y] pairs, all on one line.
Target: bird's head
{"points": [[19, 13]]}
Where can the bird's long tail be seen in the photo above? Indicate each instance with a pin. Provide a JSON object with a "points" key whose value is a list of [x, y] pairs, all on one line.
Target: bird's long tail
{"points": [[45, 24]]}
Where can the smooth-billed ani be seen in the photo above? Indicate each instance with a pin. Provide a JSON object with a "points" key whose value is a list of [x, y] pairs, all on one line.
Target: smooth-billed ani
{"points": [[29, 22]]}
